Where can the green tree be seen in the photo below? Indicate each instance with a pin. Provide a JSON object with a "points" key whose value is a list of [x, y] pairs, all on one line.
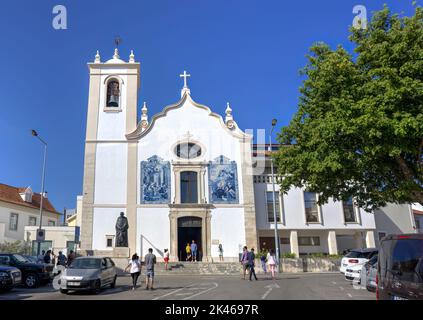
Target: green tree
{"points": [[359, 127]]}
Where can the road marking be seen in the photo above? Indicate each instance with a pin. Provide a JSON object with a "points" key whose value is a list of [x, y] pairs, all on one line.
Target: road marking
{"points": [[349, 295], [333, 282], [342, 289], [172, 292], [197, 294], [270, 288], [183, 294]]}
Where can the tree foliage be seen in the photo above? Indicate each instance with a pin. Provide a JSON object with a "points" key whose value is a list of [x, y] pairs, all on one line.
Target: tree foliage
{"points": [[358, 131]]}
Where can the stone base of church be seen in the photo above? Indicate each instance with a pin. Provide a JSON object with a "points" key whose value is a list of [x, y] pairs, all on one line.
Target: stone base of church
{"points": [[119, 255]]}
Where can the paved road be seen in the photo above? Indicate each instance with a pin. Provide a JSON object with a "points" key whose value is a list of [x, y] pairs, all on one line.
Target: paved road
{"points": [[329, 286]]}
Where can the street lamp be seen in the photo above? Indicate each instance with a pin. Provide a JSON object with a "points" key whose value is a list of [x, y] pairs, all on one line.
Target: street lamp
{"points": [[274, 121], [35, 134]]}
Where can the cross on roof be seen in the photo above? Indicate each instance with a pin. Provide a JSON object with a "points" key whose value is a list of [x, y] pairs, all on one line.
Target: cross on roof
{"points": [[185, 76]]}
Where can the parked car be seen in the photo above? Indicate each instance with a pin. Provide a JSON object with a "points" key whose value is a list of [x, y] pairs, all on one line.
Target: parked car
{"points": [[88, 273], [33, 274], [9, 277], [400, 268], [32, 259], [353, 273], [371, 277], [357, 257]]}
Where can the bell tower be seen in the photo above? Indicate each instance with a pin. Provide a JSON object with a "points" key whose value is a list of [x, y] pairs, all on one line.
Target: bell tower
{"points": [[112, 113]]}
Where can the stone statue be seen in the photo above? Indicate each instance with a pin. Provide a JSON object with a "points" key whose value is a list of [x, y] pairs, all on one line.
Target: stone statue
{"points": [[122, 231]]}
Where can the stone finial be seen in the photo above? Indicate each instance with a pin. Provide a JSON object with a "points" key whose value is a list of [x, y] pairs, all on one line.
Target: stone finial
{"points": [[132, 57], [97, 57], [229, 120], [144, 109], [144, 117], [116, 55], [228, 109]]}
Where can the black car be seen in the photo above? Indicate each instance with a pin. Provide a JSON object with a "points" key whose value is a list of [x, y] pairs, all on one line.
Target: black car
{"points": [[400, 268], [33, 274], [9, 277]]}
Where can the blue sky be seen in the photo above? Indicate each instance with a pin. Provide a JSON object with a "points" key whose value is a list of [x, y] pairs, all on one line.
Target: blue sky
{"points": [[245, 52]]}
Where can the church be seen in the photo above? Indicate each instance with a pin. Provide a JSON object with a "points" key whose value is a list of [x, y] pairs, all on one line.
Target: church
{"points": [[178, 176], [188, 174]]}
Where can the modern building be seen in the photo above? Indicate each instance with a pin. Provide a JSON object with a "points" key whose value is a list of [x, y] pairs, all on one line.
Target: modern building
{"points": [[57, 238], [20, 207], [187, 174], [418, 217]]}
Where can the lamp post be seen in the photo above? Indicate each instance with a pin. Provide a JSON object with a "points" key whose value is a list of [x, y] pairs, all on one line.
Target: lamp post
{"points": [[35, 134], [274, 121]]}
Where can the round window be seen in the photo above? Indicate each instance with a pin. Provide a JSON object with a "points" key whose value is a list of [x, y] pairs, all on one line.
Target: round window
{"points": [[188, 150]]}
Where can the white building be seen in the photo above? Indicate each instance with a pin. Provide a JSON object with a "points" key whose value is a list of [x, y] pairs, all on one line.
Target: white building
{"points": [[187, 174], [20, 207]]}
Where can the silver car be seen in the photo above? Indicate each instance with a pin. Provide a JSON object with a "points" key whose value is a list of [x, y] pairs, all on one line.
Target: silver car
{"points": [[88, 273]]}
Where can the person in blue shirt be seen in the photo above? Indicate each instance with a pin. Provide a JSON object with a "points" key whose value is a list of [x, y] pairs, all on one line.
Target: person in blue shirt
{"points": [[194, 250]]}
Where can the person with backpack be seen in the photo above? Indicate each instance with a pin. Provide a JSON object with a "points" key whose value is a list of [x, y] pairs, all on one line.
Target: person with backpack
{"points": [[251, 263], [61, 259], [135, 269]]}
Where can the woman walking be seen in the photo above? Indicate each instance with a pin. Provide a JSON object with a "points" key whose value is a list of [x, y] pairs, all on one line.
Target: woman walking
{"points": [[271, 261], [135, 265], [166, 258], [188, 251]]}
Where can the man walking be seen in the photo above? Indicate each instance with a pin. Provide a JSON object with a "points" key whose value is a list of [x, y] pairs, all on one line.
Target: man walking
{"points": [[244, 261], [251, 263], [194, 251], [61, 259], [71, 257], [149, 262]]}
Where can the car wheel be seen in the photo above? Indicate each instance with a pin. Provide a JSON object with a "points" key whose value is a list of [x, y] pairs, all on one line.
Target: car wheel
{"points": [[64, 291], [31, 280], [97, 287], [113, 284]]}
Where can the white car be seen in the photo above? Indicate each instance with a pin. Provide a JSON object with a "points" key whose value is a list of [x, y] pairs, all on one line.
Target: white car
{"points": [[356, 257], [353, 273]]}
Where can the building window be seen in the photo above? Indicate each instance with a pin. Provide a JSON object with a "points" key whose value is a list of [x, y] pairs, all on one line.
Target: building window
{"points": [[109, 241], [32, 221], [113, 94], [13, 223], [309, 241], [189, 193], [45, 245], [285, 241], [349, 211], [311, 208], [51, 223], [269, 203]]}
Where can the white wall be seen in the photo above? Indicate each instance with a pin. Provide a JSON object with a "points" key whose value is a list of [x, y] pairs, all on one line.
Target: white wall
{"points": [[110, 173], [394, 219], [227, 226], [153, 231], [23, 220], [104, 221], [205, 129]]}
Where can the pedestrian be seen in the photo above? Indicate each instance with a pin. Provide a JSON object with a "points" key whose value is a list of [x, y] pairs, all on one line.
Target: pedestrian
{"points": [[220, 252], [166, 258], [40, 258], [271, 261], [61, 259], [149, 262], [53, 257], [47, 257], [71, 257], [263, 259], [194, 251], [135, 269], [244, 261], [188, 251], [251, 263]]}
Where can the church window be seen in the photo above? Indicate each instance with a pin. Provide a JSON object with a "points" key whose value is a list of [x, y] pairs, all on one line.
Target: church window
{"points": [[188, 150], [269, 202], [109, 241], [113, 94], [189, 193]]}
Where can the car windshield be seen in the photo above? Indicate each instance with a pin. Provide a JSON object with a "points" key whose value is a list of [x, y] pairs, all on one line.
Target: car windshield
{"points": [[86, 264], [359, 255], [372, 261], [20, 258]]}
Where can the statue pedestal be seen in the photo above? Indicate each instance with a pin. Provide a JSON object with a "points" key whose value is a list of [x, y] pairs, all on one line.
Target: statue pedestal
{"points": [[121, 252]]}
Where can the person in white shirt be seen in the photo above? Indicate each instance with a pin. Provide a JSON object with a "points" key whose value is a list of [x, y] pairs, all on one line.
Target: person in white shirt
{"points": [[271, 262], [135, 269], [166, 258]]}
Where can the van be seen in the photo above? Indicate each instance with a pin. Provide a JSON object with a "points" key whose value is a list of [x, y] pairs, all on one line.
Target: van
{"points": [[400, 268]]}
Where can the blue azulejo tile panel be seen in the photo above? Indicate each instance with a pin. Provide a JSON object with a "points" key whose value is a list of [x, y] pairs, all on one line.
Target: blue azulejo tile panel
{"points": [[155, 181], [223, 181]]}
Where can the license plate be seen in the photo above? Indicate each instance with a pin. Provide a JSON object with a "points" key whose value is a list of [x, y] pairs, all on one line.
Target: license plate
{"points": [[17, 279], [73, 283], [344, 264], [398, 298]]}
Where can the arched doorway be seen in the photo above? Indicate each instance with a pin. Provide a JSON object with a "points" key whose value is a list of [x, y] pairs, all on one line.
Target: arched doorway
{"points": [[189, 228]]}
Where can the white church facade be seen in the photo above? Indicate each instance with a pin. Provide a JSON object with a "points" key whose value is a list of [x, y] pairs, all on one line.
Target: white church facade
{"points": [[186, 174]]}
